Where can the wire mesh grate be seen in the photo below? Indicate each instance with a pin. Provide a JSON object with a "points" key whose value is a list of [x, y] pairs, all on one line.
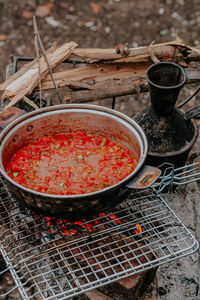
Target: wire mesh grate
{"points": [[51, 258]]}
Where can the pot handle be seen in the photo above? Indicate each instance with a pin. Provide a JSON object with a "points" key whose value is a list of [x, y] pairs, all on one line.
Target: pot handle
{"points": [[8, 115], [144, 178]]}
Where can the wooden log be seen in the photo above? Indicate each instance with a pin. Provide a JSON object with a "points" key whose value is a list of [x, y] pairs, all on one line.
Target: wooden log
{"points": [[126, 289], [131, 287], [163, 49], [108, 89], [120, 87], [96, 73], [114, 73], [136, 63], [195, 54], [21, 84]]}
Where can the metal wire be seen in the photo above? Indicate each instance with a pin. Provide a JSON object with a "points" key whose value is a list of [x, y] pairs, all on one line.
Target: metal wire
{"points": [[39, 41], [190, 97], [38, 58], [183, 175], [47, 264]]}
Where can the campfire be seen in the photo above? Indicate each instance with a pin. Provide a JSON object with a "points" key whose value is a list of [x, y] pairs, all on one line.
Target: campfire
{"points": [[68, 228], [118, 250], [54, 256]]}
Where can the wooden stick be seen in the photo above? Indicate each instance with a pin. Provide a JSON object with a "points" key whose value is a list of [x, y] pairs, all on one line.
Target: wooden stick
{"points": [[24, 83], [37, 58], [47, 60], [112, 54], [19, 73], [30, 102]]}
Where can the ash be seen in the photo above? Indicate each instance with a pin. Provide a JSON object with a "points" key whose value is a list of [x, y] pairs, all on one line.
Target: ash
{"points": [[181, 279]]}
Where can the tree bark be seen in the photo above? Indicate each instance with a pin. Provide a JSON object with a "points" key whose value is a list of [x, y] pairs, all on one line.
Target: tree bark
{"points": [[108, 89]]}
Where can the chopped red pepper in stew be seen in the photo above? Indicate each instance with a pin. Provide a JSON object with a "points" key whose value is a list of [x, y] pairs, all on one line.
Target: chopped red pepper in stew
{"points": [[72, 163]]}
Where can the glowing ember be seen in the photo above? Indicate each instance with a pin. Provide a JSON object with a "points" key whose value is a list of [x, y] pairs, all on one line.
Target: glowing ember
{"points": [[138, 228], [64, 225]]}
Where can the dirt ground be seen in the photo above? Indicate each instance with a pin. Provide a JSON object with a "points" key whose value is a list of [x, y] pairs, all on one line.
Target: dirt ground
{"points": [[102, 24]]}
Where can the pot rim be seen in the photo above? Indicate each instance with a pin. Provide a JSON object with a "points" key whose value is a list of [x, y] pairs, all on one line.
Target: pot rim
{"points": [[21, 120]]}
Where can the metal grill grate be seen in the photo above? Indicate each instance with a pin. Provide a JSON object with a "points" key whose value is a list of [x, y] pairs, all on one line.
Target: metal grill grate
{"points": [[58, 260]]}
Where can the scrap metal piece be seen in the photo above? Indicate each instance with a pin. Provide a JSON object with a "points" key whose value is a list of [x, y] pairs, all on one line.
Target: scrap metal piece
{"points": [[8, 115]]}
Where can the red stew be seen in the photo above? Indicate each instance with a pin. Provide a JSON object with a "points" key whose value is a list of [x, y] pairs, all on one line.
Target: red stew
{"points": [[73, 163]]}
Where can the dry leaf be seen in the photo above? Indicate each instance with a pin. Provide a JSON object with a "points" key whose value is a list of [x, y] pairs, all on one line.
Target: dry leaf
{"points": [[3, 37], [27, 14], [44, 10], [95, 7]]}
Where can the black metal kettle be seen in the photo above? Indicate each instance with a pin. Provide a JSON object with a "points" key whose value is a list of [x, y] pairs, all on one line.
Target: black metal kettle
{"points": [[170, 132]]}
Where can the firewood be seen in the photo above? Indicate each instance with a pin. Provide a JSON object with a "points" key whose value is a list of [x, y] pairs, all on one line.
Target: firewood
{"points": [[108, 72], [164, 49], [23, 82], [123, 69], [109, 88], [117, 66], [116, 87], [96, 73], [30, 102], [113, 54]]}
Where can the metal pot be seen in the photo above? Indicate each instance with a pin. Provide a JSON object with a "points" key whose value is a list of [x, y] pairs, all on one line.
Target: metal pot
{"points": [[63, 118]]}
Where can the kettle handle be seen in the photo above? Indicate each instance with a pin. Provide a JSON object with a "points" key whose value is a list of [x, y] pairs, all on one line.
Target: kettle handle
{"points": [[193, 113], [191, 74]]}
